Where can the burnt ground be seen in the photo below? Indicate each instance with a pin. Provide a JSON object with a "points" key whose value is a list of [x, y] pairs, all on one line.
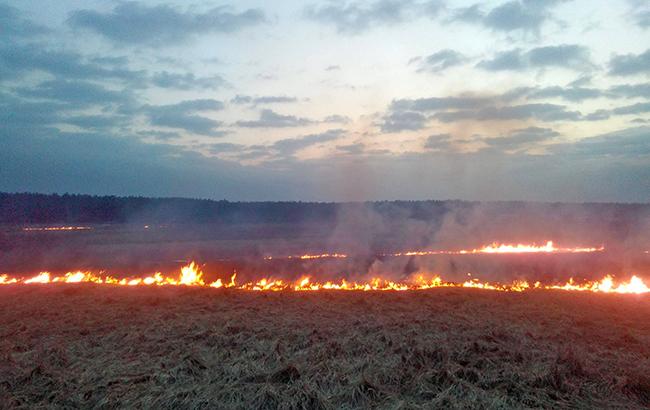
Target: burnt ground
{"points": [[104, 347]]}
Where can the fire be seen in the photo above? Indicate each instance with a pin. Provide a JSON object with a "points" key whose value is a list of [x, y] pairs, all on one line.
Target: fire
{"points": [[191, 275], [520, 248], [57, 228], [494, 248]]}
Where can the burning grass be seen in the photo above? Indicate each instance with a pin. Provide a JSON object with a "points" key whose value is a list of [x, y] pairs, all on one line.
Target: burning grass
{"points": [[85, 345]]}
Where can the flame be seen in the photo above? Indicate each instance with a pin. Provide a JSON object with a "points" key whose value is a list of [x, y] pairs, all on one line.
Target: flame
{"points": [[57, 228], [191, 275], [494, 248]]}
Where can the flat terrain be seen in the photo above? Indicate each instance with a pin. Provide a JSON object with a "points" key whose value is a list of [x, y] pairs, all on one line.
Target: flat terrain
{"points": [[87, 346]]}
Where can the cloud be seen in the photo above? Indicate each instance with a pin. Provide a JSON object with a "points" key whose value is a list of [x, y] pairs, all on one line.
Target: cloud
{"points": [[630, 64], [471, 14], [630, 143], [570, 56], [183, 116], [241, 99], [357, 148], [438, 142], [543, 112], [271, 119], [642, 19], [522, 139], [187, 81], [18, 114], [398, 121], [15, 27], [332, 68], [526, 15], [337, 119], [107, 164], [573, 94], [290, 146], [356, 17], [134, 23], [440, 103], [16, 60], [442, 60], [638, 108], [96, 122], [159, 135], [263, 100], [630, 90], [523, 15], [77, 93]]}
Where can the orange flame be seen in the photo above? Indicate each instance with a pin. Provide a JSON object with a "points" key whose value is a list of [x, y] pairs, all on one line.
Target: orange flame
{"points": [[191, 275], [494, 248]]}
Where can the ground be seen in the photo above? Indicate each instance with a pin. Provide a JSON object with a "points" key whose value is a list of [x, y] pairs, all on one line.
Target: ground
{"points": [[88, 346]]}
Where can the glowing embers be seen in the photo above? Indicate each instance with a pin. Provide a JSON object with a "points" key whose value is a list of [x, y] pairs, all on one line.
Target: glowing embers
{"points": [[56, 228]]}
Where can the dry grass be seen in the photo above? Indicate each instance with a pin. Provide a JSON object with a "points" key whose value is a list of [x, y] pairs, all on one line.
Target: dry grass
{"points": [[85, 346]]}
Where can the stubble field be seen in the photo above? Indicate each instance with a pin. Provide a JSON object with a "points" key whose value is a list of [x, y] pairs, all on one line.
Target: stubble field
{"points": [[85, 346]]}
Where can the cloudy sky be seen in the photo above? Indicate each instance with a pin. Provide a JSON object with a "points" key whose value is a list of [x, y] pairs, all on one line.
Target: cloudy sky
{"points": [[335, 100]]}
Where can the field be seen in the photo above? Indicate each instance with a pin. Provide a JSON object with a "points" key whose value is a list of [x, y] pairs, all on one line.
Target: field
{"points": [[86, 346]]}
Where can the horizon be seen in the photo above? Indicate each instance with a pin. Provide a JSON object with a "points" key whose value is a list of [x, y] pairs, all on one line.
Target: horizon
{"points": [[328, 101], [512, 201]]}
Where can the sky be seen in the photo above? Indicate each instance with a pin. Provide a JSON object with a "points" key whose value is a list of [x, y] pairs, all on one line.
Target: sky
{"points": [[534, 100]]}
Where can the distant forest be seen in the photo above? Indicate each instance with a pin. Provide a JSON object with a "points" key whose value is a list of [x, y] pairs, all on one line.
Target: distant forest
{"points": [[32, 208]]}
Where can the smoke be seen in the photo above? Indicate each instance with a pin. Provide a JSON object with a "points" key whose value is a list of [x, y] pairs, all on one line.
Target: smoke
{"points": [[162, 238]]}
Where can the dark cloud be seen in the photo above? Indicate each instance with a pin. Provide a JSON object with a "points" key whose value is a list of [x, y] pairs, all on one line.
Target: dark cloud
{"points": [[569, 56], [134, 23], [638, 108], [471, 14], [521, 139], [15, 27], [630, 90], [16, 114], [159, 135], [630, 143], [597, 115], [241, 99], [439, 142], [97, 122], [265, 99], [642, 19], [523, 15], [442, 60], [337, 119], [290, 146], [356, 17], [183, 116], [543, 112], [398, 121], [573, 94], [440, 103], [101, 164], [632, 109], [630, 64], [271, 119], [17, 60], [352, 149], [221, 147], [76, 93], [187, 81], [274, 99]]}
